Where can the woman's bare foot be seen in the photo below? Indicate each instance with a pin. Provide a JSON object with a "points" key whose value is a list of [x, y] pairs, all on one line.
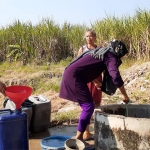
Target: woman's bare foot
{"points": [[87, 135]]}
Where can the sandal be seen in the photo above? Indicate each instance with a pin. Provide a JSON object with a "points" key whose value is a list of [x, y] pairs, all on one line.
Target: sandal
{"points": [[90, 138]]}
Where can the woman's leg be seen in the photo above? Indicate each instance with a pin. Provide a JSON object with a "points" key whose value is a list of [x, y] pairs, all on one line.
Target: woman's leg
{"points": [[87, 134], [84, 121], [97, 96]]}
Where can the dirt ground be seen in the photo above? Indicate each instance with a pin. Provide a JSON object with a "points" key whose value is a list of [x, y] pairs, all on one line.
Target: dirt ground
{"points": [[137, 84]]}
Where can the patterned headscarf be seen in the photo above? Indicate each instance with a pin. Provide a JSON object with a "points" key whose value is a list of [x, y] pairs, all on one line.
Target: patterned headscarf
{"points": [[119, 47]]}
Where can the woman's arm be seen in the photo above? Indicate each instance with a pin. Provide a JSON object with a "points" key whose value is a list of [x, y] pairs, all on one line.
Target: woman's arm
{"points": [[97, 84], [112, 67], [80, 51], [124, 94], [111, 63]]}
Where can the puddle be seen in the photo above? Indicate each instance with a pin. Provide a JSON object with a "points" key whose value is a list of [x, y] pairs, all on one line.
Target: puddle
{"points": [[63, 130]]}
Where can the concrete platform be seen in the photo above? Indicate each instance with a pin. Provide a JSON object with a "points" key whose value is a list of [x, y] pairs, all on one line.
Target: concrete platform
{"points": [[123, 127]]}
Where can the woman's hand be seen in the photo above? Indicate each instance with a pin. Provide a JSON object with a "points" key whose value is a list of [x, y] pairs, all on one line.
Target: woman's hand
{"points": [[125, 97], [97, 84], [2, 88]]}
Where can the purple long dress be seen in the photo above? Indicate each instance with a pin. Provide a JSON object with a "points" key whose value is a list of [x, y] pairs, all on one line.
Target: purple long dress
{"points": [[86, 69], [77, 75]]}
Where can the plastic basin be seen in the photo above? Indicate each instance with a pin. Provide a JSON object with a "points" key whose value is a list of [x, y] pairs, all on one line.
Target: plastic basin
{"points": [[74, 144], [54, 142]]}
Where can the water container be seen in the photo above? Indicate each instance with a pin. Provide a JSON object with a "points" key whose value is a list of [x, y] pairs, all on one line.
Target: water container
{"points": [[41, 110], [13, 130], [28, 109]]}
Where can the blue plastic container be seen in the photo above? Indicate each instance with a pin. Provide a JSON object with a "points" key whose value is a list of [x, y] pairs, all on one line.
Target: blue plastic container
{"points": [[54, 142], [13, 130]]}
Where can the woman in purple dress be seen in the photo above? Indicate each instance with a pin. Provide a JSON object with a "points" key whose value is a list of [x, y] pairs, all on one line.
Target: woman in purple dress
{"points": [[87, 67]]}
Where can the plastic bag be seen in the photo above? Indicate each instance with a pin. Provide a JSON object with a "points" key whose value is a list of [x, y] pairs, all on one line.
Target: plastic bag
{"points": [[108, 86]]}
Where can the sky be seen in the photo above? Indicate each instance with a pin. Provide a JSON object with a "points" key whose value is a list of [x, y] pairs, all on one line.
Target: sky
{"points": [[71, 11]]}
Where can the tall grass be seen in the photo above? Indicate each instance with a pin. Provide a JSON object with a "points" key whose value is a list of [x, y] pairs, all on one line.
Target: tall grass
{"points": [[49, 42]]}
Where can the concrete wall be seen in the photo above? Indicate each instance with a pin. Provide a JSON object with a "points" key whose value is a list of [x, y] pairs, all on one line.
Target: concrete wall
{"points": [[119, 129]]}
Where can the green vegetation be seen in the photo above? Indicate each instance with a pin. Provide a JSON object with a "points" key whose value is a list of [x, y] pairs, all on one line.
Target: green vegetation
{"points": [[67, 116], [48, 42]]}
